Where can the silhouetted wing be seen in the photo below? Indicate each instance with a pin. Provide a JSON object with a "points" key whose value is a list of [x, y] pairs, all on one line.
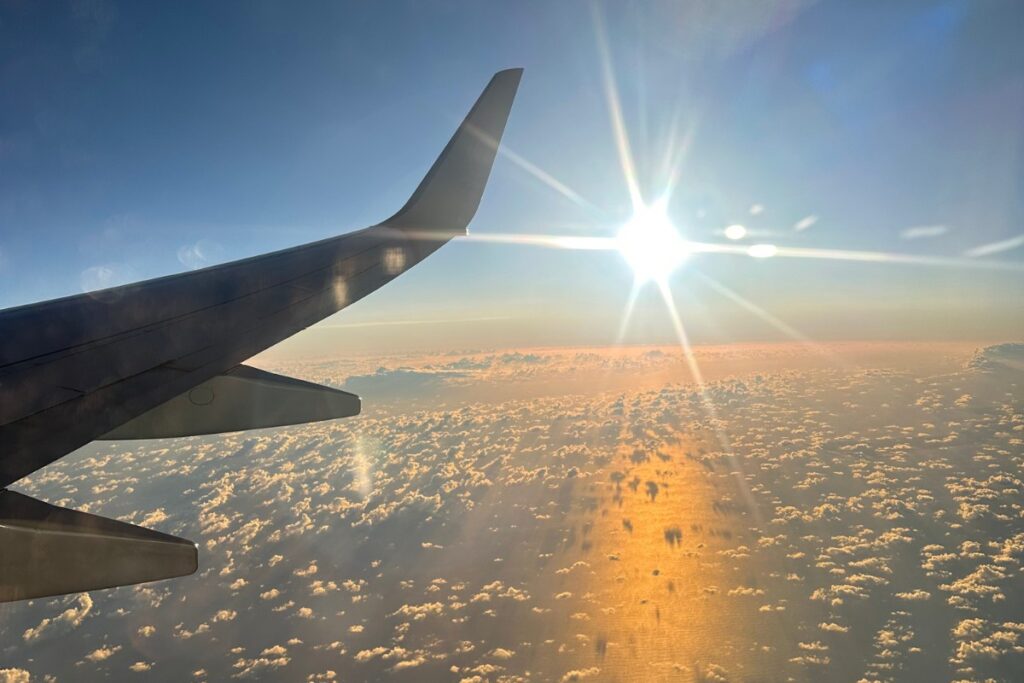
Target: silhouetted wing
{"points": [[74, 369], [50, 550], [241, 398]]}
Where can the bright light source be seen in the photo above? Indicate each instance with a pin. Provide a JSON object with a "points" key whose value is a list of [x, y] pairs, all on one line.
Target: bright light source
{"points": [[735, 232], [651, 244], [763, 250]]}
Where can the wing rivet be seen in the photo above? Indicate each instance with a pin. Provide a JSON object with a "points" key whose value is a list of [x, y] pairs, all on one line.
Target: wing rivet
{"points": [[201, 396]]}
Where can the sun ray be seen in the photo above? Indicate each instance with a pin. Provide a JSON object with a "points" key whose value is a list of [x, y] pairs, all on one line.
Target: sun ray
{"points": [[681, 336], [709, 406], [550, 241], [546, 178], [675, 155], [761, 313], [762, 251], [531, 168], [627, 313], [598, 243], [615, 112]]}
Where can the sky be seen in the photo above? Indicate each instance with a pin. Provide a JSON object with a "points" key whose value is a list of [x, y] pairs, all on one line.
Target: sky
{"points": [[143, 139]]}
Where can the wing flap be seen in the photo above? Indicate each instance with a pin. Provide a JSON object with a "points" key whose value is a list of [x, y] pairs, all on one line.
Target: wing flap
{"points": [[242, 398], [48, 550]]}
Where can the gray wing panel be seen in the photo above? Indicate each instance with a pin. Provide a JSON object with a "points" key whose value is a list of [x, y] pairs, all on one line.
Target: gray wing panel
{"points": [[73, 369], [48, 550], [241, 398]]}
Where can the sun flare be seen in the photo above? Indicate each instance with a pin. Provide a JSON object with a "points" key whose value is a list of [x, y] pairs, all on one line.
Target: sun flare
{"points": [[651, 244]]}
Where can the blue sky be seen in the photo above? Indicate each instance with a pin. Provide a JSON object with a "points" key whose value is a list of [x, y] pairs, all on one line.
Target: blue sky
{"points": [[140, 139]]}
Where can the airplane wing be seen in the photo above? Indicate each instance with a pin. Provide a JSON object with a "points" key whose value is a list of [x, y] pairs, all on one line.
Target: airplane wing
{"points": [[164, 357]]}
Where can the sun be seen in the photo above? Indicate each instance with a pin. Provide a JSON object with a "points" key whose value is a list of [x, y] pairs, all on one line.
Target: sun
{"points": [[651, 244]]}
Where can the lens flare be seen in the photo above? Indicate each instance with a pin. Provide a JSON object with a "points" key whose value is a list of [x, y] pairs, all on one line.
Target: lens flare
{"points": [[763, 250], [651, 245], [736, 232]]}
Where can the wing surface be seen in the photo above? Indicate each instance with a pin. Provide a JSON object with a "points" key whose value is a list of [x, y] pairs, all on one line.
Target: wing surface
{"points": [[74, 369], [241, 398]]}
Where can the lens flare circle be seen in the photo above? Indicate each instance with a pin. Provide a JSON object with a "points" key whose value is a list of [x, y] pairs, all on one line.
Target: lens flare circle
{"points": [[651, 244], [763, 250], [736, 232]]}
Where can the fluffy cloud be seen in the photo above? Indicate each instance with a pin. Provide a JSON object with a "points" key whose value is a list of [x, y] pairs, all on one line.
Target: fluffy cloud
{"points": [[70, 618], [519, 514], [102, 653]]}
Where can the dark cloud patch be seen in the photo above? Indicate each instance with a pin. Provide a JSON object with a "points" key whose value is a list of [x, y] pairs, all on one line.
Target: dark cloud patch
{"points": [[999, 358], [468, 363], [400, 383], [524, 358]]}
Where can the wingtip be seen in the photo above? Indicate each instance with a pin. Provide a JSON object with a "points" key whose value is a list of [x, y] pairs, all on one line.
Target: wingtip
{"points": [[511, 73]]}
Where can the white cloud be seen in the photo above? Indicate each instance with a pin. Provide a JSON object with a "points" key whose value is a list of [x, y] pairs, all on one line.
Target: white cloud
{"points": [[996, 247], [924, 231], [805, 223], [69, 619]]}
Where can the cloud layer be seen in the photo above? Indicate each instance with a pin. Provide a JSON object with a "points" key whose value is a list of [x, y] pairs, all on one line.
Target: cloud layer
{"points": [[860, 520]]}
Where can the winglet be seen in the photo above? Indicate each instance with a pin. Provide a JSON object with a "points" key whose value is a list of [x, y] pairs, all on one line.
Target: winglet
{"points": [[450, 193]]}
